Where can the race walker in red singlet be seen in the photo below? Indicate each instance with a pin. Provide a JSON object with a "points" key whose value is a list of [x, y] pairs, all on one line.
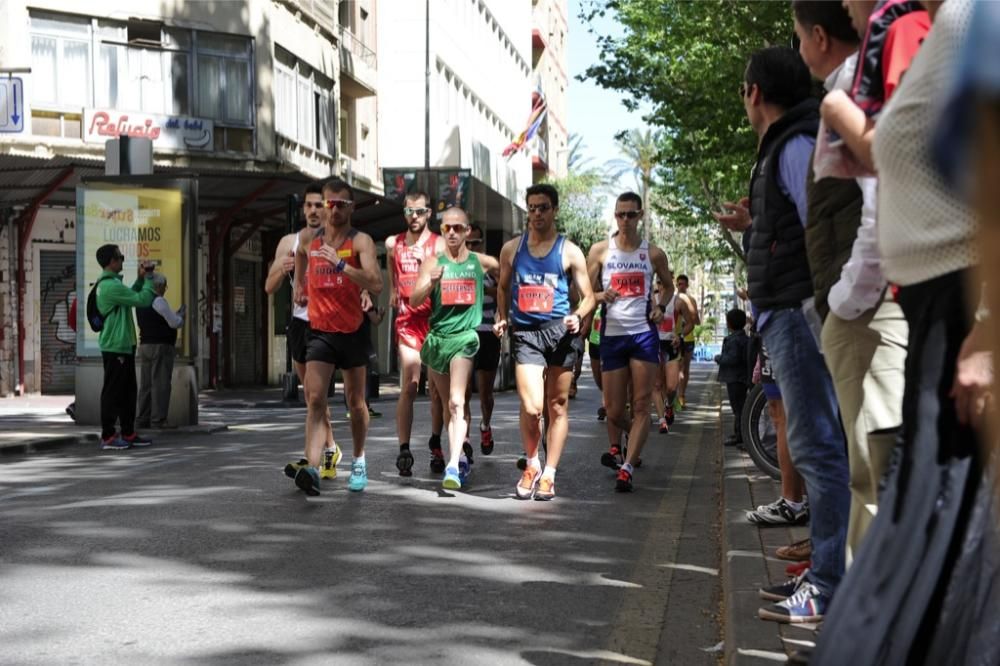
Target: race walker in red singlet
{"points": [[412, 324]]}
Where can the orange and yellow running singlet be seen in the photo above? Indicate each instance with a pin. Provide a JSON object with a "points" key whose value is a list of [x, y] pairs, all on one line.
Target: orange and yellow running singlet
{"points": [[334, 300]]}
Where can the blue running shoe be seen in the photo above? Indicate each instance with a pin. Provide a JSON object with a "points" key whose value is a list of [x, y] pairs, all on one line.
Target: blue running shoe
{"points": [[358, 479], [115, 443], [307, 479], [464, 469], [452, 479]]}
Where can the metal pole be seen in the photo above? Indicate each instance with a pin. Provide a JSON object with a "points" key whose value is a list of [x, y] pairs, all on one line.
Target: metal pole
{"points": [[427, 84]]}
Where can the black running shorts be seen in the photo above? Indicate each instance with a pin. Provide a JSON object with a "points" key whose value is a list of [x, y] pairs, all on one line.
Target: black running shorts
{"points": [[343, 350]]}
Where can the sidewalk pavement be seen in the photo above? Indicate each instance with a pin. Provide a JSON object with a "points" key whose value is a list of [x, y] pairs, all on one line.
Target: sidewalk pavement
{"points": [[749, 563]]}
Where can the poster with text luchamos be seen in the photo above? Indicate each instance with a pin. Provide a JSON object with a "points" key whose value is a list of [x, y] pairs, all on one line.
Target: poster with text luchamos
{"points": [[145, 224]]}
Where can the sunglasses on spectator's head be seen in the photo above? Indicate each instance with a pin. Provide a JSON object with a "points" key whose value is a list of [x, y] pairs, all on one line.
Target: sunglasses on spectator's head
{"points": [[628, 214], [457, 228], [339, 204], [541, 208], [415, 210]]}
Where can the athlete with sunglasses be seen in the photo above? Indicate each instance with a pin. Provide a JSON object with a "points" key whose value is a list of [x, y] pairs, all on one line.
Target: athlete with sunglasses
{"points": [[452, 282], [535, 272], [405, 253], [622, 269], [339, 262]]}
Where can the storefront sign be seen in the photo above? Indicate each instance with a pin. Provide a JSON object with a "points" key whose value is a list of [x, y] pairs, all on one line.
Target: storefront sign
{"points": [[145, 223], [170, 132]]}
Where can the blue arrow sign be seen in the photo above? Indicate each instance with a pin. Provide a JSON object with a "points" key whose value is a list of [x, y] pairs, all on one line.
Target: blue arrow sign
{"points": [[11, 105]]}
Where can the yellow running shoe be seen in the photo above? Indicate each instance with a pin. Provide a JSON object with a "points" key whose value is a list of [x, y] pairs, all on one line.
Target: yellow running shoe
{"points": [[328, 470]]}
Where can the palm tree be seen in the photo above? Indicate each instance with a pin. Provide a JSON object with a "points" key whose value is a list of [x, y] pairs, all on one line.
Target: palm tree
{"points": [[577, 162], [641, 150]]}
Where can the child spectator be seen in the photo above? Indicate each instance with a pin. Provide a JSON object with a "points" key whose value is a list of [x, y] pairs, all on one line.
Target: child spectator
{"points": [[733, 369]]}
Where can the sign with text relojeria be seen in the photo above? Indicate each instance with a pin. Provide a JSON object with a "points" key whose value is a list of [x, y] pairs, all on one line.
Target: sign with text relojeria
{"points": [[168, 132], [146, 224]]}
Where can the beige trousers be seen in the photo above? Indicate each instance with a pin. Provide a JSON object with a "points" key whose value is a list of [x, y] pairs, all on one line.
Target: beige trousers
{"points": [[865, 357]]}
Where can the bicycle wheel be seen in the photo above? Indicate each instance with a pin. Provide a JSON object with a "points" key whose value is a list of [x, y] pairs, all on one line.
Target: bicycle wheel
{"points": [[759, 435]]}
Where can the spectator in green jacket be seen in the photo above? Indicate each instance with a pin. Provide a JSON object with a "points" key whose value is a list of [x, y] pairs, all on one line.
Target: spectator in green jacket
{"points": [[117, 342]]}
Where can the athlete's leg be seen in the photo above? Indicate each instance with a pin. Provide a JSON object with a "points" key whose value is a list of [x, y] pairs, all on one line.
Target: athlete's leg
{"points": [[615, 397], [300, 371], [409, 378], [557, 385], [531, 391], [484, 384], [595, 369], [643, 374], [438, 399], [685, 375], [659, 389], [315, 383], [456, 381], [354, 388], [437, 382]]}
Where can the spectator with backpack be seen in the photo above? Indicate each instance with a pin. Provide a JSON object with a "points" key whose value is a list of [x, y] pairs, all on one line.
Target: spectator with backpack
{"points": [[109, 312]]}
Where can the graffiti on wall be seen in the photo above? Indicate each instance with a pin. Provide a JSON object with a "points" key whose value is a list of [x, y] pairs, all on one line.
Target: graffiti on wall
{"points": [[56, 295]]}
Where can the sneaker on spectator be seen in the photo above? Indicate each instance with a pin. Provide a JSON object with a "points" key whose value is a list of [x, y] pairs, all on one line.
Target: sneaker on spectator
{"points": [[796, 568], [799, 551], [137, 440], [781, 591], [778, 512], [115, 443], [807, 604]]}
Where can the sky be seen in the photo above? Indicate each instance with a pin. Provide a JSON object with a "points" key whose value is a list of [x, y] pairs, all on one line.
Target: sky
{"points": [[595, 113]]}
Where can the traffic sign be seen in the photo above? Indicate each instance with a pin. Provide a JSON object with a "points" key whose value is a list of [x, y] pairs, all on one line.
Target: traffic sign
{"points": [[11, 104]]}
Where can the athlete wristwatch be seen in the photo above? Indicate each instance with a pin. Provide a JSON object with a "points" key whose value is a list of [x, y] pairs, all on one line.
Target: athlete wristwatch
{"points": [[340, 266]]}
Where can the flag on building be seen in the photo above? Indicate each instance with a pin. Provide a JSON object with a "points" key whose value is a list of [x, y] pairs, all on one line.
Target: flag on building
{"points": [[538, 109]]}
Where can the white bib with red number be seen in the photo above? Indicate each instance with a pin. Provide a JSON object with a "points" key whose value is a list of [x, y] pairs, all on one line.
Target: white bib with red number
{"points": [[630, 274]]}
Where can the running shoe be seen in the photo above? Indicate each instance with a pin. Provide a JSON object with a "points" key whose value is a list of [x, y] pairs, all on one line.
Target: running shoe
{"points": [[307, 479], [328, 470], [623, 483], [452, 479], [529, 480], [404, 462], [778, 512], [668, 414], [664, 426], [807, 604], [464, 468], [437, 460], [602, 413], [292, 468], [522, 462], [546, 489], [359, 476], [613, 458], [799, 551], [486, 442], [114, 443], [467, 451], [682, 402], [372, 414], [136, 439], [782, 591]]}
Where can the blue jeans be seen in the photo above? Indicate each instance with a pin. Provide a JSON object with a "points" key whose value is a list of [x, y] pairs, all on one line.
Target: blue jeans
{"points": [[815, 440]]}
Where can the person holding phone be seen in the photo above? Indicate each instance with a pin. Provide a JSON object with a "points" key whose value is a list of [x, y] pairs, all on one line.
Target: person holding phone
{"points": [[158, 326]]}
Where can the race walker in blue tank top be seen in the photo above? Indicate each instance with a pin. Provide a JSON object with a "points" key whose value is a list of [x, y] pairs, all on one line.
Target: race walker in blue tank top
{"points": [[540, 288]]}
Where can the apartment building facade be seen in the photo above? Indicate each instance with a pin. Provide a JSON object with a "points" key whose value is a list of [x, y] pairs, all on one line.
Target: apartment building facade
{"points": [[254, 98], [549, 148]]}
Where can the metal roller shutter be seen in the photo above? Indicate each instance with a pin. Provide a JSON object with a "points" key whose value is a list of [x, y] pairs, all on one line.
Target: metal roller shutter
{"points": [[57, 339], [246, 322]]}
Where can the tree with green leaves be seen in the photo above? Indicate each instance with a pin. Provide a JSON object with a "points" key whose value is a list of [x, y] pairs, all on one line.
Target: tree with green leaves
{"points": [[581, 208], [688, 60]]}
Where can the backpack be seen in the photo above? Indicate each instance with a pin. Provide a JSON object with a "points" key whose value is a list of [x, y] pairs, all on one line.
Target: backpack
{"points": [[94, 316]]}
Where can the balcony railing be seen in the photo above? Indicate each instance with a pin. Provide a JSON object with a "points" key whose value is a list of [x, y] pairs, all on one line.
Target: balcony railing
{"points": [[323, 12], [357, 48]]}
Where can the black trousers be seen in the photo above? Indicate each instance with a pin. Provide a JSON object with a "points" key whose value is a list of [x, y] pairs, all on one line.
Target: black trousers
{"points": [[118, 395], [737, 399]]}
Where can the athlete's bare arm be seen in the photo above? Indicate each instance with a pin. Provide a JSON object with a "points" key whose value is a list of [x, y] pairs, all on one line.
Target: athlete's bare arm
{"points": [[503, 285], [491, 266], [595, 260], [430, 275], [686, 305], [283, 264], [662, 268], [299, 295], [576, 264], [390, 262], [369, 276]]}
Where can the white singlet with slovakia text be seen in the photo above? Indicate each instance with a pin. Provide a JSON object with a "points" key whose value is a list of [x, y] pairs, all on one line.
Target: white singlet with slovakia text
{"points": [[631, 275]]}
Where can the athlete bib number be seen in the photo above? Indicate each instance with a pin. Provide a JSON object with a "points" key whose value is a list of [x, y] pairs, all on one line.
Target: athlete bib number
{"points": [[324, 275], [629, 285], [458, 291], [667, 324], [535, 298]]}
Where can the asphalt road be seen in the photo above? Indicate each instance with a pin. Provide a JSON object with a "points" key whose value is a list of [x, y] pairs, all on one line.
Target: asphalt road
{"points": [[199, 550]]}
